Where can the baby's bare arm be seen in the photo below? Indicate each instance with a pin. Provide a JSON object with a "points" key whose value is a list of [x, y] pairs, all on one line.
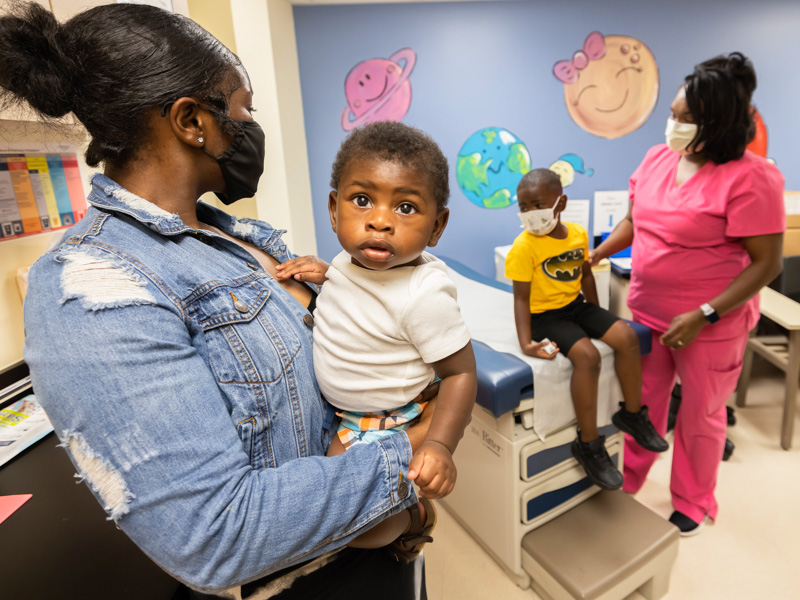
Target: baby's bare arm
{"points": [[456, 397], [432, 466]]}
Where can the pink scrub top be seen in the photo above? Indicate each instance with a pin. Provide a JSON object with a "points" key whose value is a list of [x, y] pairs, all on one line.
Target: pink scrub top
{"points": [[687, 242]]}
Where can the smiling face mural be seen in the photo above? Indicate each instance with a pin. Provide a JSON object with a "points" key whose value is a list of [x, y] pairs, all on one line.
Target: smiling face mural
{"points": [[610, 85], [490, 164], [378, 89]]}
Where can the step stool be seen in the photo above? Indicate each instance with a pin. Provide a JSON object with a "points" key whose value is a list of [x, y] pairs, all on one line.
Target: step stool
{"points": [[603, 549]]}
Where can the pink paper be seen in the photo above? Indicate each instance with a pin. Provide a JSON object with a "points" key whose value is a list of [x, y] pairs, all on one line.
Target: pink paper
{"points": [[9, 504]]}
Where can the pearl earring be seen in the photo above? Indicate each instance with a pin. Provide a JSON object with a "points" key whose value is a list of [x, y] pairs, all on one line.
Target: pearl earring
{"points": [[200, 140]]}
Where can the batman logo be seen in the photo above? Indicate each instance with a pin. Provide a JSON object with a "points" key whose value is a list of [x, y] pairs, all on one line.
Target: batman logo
{"points": [[567, 266]]}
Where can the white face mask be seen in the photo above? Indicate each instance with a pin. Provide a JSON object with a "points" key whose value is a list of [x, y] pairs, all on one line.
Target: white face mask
{"points": [[540, 222], [679, 135]]}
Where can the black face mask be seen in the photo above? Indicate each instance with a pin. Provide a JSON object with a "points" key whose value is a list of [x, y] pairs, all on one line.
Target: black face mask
{"points": [[242, 163]]}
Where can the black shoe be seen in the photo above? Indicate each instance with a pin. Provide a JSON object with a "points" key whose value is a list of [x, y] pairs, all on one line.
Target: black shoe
{"points": [[731, 415], [687, 526], [594, 459], [729, 447], [639, 426]]}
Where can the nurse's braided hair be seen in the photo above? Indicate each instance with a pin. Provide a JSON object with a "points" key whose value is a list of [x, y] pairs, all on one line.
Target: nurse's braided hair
{"points": [[396, 142], [718, 94], [111, 66]]}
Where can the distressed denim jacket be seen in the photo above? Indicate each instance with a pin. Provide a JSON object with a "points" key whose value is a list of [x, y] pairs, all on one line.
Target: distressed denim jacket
{"points": [[178, 375]]}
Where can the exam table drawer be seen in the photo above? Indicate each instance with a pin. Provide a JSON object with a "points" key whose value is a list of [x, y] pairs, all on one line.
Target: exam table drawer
{"points": [[562, 483], [539, 458]]}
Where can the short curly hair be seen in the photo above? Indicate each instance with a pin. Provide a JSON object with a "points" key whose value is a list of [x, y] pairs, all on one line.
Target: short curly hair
{"points": [[537, 177], [396, 142]]}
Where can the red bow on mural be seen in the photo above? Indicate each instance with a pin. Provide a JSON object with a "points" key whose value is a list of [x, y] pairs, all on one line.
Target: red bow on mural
{"points": [[594, 48]]}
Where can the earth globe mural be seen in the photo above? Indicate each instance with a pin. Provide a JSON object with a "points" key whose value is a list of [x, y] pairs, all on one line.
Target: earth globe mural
{"points": [[490, 164]]}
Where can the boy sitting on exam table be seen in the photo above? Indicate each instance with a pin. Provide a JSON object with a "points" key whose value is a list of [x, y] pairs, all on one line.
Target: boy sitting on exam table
{"points": [[556, 309]]}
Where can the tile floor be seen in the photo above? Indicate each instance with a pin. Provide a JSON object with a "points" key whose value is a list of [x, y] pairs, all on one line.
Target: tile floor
{"points": [[752, 551]]}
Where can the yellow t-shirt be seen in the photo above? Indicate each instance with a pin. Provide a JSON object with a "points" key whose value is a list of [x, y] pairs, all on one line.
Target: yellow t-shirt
{"points": [[554, 267]]}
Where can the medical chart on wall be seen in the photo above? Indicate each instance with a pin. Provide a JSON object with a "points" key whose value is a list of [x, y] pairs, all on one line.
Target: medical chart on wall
{"points": [[609, 209], [39, 191]]}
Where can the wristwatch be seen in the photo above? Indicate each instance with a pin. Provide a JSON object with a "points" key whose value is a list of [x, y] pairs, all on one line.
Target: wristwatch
{"points": [[710, 313]]}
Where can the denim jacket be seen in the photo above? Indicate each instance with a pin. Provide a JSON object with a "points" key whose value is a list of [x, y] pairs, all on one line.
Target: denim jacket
{"points": [[178, 374]]}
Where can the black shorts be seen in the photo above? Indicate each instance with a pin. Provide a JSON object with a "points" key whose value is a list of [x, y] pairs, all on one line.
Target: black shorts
{"points": [[570, 323]]}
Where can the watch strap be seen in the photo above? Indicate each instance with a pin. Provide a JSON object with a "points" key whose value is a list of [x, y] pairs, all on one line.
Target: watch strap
{"points": [[711, 315]]}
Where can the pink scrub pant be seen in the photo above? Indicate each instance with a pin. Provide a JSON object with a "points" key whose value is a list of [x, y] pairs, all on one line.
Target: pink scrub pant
{"points": [[708, 371]]}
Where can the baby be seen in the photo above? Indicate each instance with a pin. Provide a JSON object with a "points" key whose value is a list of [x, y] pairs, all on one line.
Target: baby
{"points": [[555, 304], [387, 321]]}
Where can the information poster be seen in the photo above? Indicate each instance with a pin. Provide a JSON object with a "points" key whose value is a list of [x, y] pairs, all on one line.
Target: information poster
{"points": [[39, 192], [609, 209]]}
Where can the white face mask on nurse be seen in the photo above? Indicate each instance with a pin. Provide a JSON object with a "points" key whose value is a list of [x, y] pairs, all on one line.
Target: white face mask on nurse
{"points": [[679, 135]]}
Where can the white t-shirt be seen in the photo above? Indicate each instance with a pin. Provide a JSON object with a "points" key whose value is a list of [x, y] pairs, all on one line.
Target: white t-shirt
{"points": [[377, 332]]}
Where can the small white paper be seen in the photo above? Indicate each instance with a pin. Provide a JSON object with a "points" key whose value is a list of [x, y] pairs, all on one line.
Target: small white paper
{"points": [[577, 211], [792, 200], [609, 209]]}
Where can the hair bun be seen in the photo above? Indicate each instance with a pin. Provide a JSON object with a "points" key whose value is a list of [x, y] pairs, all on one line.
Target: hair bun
{"points": [[742, 70], [33, 64]]}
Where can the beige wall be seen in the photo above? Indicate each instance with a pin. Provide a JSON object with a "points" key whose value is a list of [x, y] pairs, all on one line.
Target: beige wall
{"points": [[265, 40], [261, 32]]}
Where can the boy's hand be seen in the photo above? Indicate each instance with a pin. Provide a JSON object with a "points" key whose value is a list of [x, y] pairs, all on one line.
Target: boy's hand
{"points": [[594, 258], [433, 470], [536, 349], [304, 268]]}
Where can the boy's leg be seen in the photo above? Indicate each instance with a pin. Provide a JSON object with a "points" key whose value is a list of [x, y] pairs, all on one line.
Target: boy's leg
{"points": [[336, 448], [627, 362], [631, 418], [589, 447], [586, 362], [388, 530], [658, 379], [385, 532]]}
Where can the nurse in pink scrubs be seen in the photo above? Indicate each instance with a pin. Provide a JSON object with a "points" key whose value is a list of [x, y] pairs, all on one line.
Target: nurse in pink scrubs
{"points": [[706, 223]]}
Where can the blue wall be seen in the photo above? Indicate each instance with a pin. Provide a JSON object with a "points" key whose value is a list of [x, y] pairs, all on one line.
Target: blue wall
{"points": [[482, 64]]}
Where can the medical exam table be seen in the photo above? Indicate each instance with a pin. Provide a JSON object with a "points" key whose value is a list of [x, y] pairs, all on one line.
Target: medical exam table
{"points": [[515, 469]]}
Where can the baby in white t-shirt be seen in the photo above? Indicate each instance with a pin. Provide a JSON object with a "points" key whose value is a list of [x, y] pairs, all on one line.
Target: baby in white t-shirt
{"points": [[387, 321]]}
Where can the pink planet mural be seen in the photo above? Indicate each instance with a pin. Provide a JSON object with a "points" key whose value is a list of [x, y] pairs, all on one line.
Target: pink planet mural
{"points": [[378, 89]]}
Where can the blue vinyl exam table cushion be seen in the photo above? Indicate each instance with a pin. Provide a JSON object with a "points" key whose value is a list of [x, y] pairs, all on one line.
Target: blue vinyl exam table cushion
{"points": [[503, 379]]}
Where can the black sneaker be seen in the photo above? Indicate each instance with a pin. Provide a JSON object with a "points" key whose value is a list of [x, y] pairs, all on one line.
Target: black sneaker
{"points": [[594, 459], [729, 448], [639, 426], [687, 526]]}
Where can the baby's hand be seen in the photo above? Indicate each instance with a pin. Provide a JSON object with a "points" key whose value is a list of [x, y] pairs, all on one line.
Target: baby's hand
{"points": [[433, 470], [304, 268], [537, 350]]}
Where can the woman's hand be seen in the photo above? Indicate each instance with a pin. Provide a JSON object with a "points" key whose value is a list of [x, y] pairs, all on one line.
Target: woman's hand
{"points": [[594, 257], [536, 349], [684, 329], [304, 268]]}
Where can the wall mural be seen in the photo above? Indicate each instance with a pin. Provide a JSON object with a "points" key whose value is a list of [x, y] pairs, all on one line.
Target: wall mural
{"points": [[567, 165], [610, 85], [489, 166], [378, 89]]}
